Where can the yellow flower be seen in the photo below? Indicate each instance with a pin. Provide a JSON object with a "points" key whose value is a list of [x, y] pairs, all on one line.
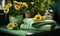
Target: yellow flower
{"points": [[21, 4], [24, 4], [12, 26], [9, 5], [17, 7], [17, 3], [6, 10], [38, 17], [43, 18]]}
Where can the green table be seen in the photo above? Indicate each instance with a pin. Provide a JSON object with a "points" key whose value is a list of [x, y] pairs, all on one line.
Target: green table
{"points": [[19, 32], [22, 32]]}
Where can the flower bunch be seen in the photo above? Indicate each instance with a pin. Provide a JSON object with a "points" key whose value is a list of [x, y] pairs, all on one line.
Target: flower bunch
{"points": [[6, 8], [16, 8], [38, 17], [12, 26]]}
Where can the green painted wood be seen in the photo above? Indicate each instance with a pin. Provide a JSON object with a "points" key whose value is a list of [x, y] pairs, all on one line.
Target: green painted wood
{"points": [[15, 32], [18, 32]]}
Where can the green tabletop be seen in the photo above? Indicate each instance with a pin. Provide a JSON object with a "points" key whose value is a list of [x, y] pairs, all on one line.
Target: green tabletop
{"points": [[19, 32]]}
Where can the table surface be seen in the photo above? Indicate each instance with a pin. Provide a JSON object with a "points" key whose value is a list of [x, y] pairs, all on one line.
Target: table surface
{"points": [[21, 32]]}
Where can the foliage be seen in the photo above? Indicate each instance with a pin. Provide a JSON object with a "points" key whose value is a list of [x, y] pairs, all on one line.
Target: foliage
{"points": [[17, 8], [35, 5]]}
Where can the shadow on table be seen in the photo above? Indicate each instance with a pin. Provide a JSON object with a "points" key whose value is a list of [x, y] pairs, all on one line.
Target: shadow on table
{"points": [[48, 33], [6, 34]]}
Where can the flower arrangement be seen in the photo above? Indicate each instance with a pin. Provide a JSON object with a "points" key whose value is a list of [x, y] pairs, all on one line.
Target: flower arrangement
{"points": [[17, 8]]}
